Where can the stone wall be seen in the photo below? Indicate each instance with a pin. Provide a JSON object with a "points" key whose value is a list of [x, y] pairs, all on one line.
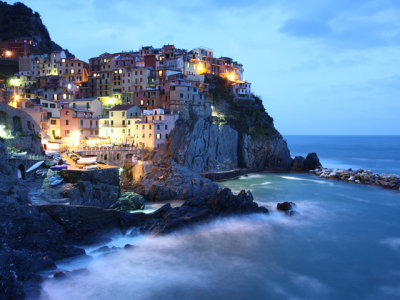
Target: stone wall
{"points": [[22, 127]]}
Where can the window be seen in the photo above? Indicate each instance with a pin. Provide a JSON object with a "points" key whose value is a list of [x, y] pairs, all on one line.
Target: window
{"points": [[96, 132], [181, 95], [123, 131], [142, 126], [123, 122], [112, 114], [158, 126], [129, 122], [74, 105], [81, 123], [166, 135], [123, 114], [67, 122], [166, 127], [112, 122], [150, 126], [66, 132], [143, 135], [158, 136], [129, 132], [52, 106], [137, 127]]}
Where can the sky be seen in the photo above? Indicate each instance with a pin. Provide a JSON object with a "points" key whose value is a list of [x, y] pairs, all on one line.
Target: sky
{"points": [[321, 67]]}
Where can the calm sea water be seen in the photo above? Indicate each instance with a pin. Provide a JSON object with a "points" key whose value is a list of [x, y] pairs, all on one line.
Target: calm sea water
{"points": [[343, 244], [378, 153]]}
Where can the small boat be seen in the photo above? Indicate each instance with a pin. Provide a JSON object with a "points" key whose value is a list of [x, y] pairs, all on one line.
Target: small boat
{"points": [[93, 167], [51, 162], [87, 160], [40, 172], [19, 154], [59, 167], [35, 166], [54, 176], [56, 181]]}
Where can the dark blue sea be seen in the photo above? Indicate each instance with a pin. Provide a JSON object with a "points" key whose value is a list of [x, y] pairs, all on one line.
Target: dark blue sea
{"points": [[344, 243], [380, 154]]}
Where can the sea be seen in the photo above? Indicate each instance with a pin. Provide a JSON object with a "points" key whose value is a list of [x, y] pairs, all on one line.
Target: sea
{"points": [[344, 242]]}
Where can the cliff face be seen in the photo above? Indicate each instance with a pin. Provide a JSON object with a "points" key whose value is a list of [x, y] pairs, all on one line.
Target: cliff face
{"points": [[206, 147], [240, 134]]}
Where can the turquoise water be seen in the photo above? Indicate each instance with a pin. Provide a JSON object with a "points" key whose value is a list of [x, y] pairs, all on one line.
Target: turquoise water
{"points": [[344, 243]]}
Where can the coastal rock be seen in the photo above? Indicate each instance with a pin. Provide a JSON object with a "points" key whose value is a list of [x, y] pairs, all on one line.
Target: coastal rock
{"points": [[173, 182], [287, 207], [311, 162], [224, 202], [129, 201], [298, 164], [360, 177]]}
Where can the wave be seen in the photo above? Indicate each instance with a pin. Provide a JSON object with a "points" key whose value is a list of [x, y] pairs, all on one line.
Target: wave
{"points": [[305, 179], [261, 184]]}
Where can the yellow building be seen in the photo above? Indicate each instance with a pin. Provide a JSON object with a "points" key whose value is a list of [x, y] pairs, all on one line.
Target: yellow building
{"points": [[115, 125]]}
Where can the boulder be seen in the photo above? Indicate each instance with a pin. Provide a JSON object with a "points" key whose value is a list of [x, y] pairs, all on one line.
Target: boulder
{"points": [[311, 162], [129, 201], [287, 207]]}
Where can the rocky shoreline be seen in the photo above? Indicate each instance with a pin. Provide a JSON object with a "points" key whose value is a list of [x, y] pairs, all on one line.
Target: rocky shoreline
{"points": [[34, 237], [360, 176]]}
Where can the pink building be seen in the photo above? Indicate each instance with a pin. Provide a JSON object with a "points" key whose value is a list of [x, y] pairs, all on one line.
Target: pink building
{"points": [[78, 124]]}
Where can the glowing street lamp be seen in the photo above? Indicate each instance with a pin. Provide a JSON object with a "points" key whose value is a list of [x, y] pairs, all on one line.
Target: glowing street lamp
{"points": [[8, 53]]}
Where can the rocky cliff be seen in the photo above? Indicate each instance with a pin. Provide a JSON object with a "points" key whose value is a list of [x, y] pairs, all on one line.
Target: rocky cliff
{"points": [[206, 146], [238, 134], [19, 21]]}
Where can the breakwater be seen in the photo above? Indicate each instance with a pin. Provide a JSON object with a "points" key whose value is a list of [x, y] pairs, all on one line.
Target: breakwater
{"points": [[360, 176]]}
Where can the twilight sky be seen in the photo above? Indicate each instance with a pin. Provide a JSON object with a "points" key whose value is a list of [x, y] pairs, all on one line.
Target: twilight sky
{"points": [[321, 67]]}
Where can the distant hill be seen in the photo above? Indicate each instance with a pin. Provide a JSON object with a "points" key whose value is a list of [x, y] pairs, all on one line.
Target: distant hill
{"points": [[19, 21]]}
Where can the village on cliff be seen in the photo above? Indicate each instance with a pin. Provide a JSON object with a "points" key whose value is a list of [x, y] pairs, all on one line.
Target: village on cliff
{"points": [[123, 99]]}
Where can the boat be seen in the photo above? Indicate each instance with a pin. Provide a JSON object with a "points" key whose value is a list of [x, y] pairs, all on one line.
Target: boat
{"points": [[93, 167], [54, 176], [35, 166], [40, 172], [19, 154], [59, 167], [56, 181], [87, 160], [51, 162]]}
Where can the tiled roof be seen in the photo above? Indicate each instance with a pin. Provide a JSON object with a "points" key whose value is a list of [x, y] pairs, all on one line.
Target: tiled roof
{"points": [[122, 107]]}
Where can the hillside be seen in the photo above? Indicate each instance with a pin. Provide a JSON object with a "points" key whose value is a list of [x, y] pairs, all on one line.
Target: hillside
{"points": [[19, 21]]}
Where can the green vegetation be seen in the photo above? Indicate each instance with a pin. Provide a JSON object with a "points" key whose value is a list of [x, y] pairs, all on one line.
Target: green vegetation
{"points": [[245, 116]]}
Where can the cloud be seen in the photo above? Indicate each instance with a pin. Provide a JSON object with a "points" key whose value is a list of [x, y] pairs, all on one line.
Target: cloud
{"points": [[348, 24]]}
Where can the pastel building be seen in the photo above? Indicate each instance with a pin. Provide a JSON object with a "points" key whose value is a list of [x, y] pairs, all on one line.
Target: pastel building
{"points": [[242, 90], [78, 125], [153, 129], [115, 125], [92, 104]]}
